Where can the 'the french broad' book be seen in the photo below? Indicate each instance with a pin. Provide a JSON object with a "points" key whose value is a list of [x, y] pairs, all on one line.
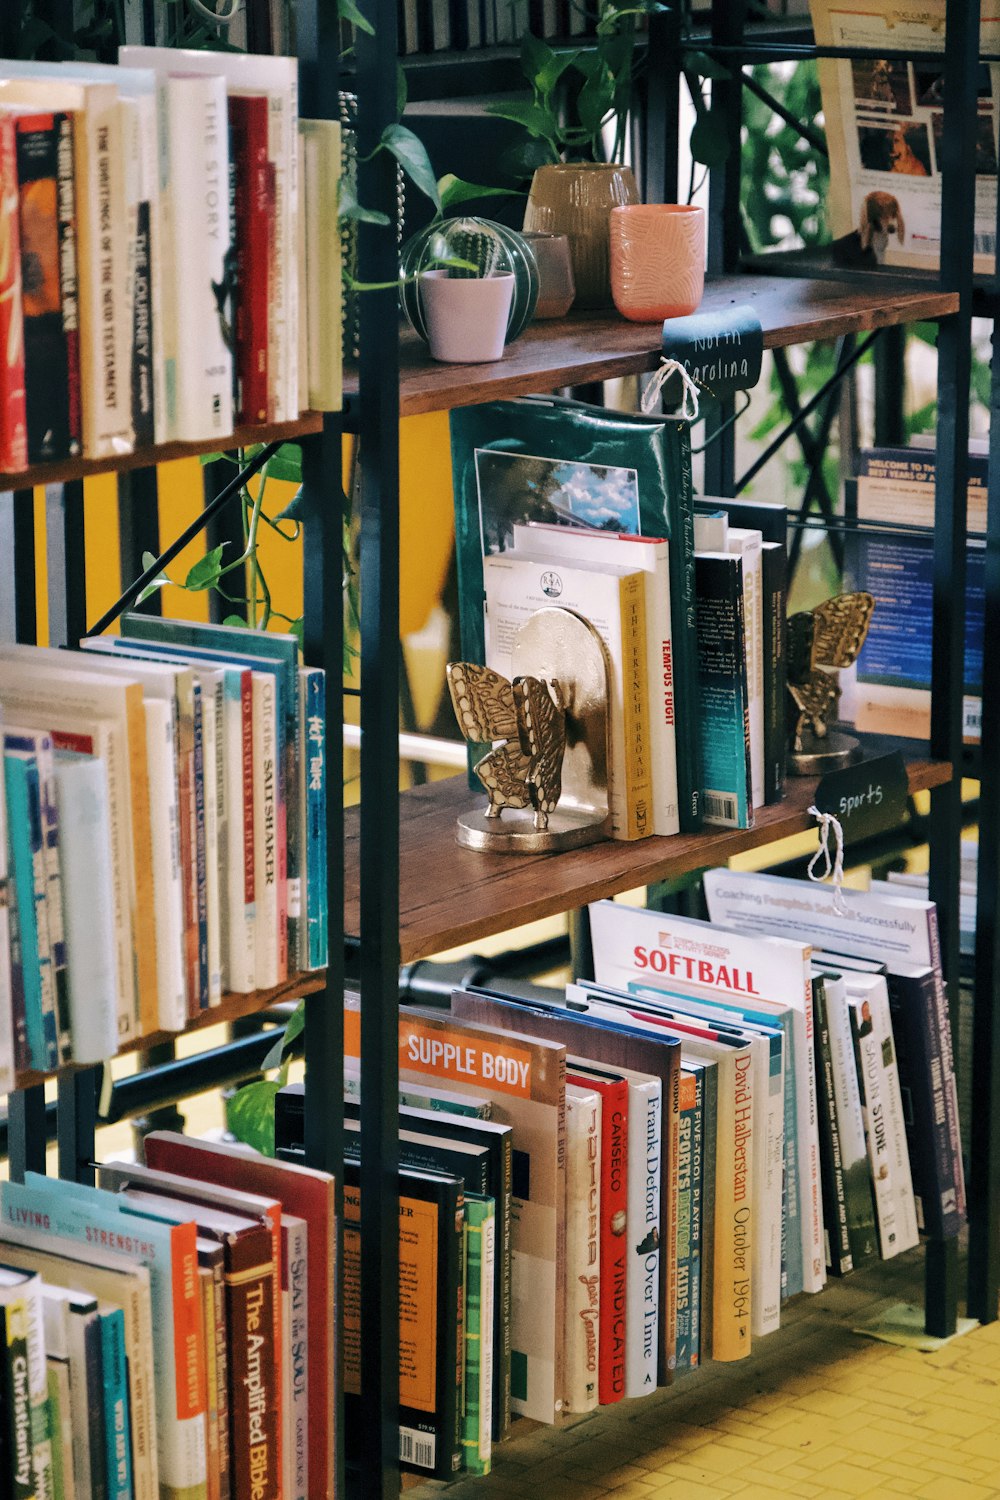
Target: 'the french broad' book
{"points": [[562, 462]]}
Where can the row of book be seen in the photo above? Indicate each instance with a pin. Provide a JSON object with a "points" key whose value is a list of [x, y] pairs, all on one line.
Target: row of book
{"points": [[164, 794], [592, 510], [728, 1113], [456, 25], [169, 1333], [174, 261]]}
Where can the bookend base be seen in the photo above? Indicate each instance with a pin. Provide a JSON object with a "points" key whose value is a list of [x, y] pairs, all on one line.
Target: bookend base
{"points": [[515, 832], [817, 756]]}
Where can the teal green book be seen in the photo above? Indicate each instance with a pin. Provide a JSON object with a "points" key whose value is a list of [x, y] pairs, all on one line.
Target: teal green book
{"points": [[566, 463], [480, 1326], [24, 832], [117, 1428]]}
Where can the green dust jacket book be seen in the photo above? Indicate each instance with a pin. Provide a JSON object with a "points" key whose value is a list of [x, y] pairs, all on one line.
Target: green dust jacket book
{"points": [[564, 462]]}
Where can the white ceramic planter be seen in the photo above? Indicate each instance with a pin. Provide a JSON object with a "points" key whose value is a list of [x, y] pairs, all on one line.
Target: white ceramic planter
{"points": [[466, 316]]}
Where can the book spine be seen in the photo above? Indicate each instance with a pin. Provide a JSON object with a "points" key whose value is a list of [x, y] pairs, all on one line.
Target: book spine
{"points": [[249, 825], [265, 831], [248, 139], [296, 1323], [732, 1293], [18, 995], [614, 1210], [710, 1140], [854, 1155], [685, 1209], [116, 1417], [583, 1270], [168, 888], [505, 1296], [947, 1059], [902, 1182], [699, 1226], [314, 824], [476, 1422], [13, 410], [205, 1283], [254, 1371], [38, 1389], [94, 1399], [838, 1244], [143, 323], [724, 725], [238, 936], [637, 782], [200, 850], [26, 858], [663, 716], [683, 597], [211, 713], [46, 965], [912, 1006], [280, 343], [220, 1357], [642, 1292], [69, 279], [46, 360], [54, 895], [487, 1327], [18, 1401], [813, 1252], [774, 569], [869, 1064]]}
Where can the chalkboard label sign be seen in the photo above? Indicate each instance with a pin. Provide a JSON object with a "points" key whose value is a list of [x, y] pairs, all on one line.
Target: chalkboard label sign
{"points": [[867, 798], [721, 350]]}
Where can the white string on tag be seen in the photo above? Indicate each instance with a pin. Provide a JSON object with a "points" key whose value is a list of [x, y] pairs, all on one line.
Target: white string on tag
{"points": [[667, 370], [831, 867]]}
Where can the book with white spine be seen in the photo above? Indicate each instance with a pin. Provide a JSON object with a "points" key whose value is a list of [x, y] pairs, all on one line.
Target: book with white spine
{"points": [[642, 1285], [583, 1246], [861, 1230], [868, 1056], [212, 695], [651, 556], [85, 858], [265, 831]]}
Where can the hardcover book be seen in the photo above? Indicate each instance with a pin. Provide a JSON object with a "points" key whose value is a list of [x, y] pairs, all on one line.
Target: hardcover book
{"points": [[480, 1332], [584, 1109], [724, 723], [566, 463]]}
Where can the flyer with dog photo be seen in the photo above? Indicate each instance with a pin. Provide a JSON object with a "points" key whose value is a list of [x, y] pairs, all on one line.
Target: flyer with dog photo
{"points": [[884, 123]]}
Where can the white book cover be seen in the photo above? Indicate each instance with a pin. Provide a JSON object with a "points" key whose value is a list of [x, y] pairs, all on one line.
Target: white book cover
{"points": [[873, 989], [747, 544], [517, 585], [850, 1122], [195, 203], [583, 1246], [868, 1055], [633, 947], [642, 1226], [878, 923], [102, 248], [67, 1314], [265, 831], [277, 77], [212, 688], [85, 858], [651, 556], [161, 685]]}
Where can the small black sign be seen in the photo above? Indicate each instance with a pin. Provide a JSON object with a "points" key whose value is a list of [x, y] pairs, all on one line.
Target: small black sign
{"points": [[867, 798], [721, 350]]}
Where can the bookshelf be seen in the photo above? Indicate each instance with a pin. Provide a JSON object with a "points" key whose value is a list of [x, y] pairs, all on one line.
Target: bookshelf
{"points": [[449, 895]]}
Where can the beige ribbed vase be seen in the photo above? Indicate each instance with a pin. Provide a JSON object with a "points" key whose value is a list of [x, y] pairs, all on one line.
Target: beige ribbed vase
{"points": [[576, 199]]}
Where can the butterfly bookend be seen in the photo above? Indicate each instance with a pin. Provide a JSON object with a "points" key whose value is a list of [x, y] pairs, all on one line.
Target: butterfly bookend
{"points": [[546, 775], [821, 642]]}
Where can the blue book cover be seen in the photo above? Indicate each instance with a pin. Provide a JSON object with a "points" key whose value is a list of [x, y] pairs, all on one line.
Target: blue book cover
{"points": [[262, 650], [25, 837], [117, 1428], [724, 707], [314, 741]]}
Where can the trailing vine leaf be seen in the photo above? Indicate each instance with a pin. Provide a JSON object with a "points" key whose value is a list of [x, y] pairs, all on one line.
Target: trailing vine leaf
{"points": [[536, 121], [348, 207], [148, 559], [237, 620], [709, 144], [293, 510], [286, 464], [411, 153], [250, 1113], [207, 571], [454, 191], [349, 12], [211, 458]]}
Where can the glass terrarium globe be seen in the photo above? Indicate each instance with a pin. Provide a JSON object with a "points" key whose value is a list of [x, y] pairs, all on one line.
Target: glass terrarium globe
{"points": [[469, 247]]}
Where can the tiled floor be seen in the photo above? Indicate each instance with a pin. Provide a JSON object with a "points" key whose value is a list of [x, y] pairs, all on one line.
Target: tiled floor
{"points": [[816, 1411]]}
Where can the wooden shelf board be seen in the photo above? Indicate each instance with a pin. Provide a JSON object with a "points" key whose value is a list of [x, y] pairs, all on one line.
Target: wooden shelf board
{"points": [[595, 346], [451, 896], [232, 1008], [144, 458]]}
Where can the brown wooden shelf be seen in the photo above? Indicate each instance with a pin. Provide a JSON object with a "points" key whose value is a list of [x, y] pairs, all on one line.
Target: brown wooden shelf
{"points": [[231, 1008], [450, 895], [595, 346], [145, 458]]}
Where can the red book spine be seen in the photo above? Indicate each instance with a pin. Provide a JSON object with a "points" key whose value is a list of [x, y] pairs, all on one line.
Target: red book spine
{"points": [[13, 411], [614, 1243], [248, 124]]}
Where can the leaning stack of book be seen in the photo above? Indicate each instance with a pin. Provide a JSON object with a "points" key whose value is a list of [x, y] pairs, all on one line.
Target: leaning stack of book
{"points": [[591, 510], [730, 1112], [170, 273], [170, 1332], [163, 801]]}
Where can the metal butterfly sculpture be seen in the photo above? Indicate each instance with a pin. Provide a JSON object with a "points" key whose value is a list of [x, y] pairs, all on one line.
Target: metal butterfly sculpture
{"points": [[528, 715], [820, 641]]}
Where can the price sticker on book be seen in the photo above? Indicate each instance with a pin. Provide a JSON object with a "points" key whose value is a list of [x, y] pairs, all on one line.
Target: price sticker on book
{"points": [[721, 351], [867, 798]]}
